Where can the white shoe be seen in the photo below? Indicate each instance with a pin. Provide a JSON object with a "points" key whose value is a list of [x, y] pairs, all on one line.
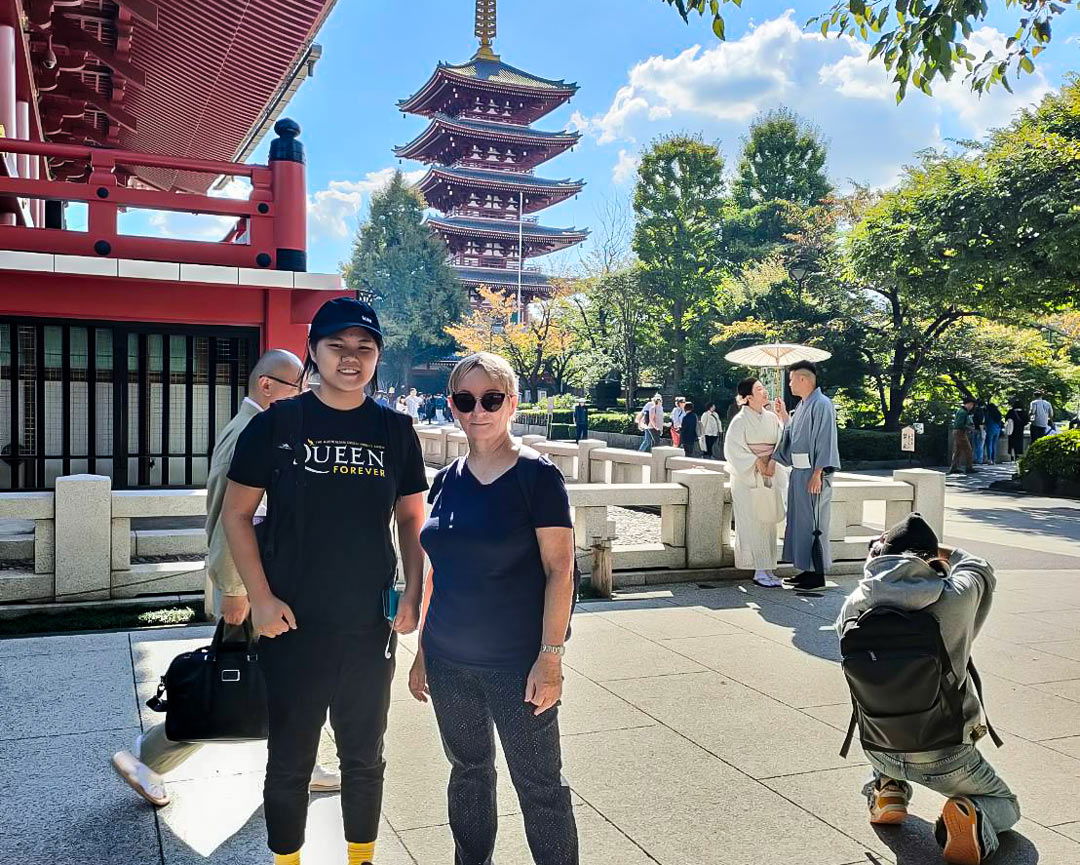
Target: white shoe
{"points": [[767, 579], [140, 778], [324, 781]]}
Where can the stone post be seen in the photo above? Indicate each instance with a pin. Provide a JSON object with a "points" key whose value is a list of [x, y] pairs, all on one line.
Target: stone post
{"points": [[658, 473], [83, 537], [929, 495], [707, 513], [585, 449], [44, 546]]}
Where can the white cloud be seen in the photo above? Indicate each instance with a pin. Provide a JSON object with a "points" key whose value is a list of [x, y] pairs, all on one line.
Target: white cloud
{"points": [[829, 82], [333, 211], [625, 167]]}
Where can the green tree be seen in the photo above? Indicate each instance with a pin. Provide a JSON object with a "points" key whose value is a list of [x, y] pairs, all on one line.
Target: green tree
{"points": [[921, 41], [402, 266], [680, 203]]}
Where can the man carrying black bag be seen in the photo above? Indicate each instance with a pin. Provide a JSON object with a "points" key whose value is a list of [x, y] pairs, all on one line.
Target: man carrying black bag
{"points": [[278, 374], [905, 636]]}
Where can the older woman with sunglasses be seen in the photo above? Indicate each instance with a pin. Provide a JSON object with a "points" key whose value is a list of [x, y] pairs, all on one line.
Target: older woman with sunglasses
{"points": [[496, 610]]}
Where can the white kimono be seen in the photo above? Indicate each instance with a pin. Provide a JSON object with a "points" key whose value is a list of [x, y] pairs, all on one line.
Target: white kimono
{"points": [[755, 542]]}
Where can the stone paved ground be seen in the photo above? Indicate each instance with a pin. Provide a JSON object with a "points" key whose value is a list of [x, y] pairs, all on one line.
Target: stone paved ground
{"points": [[700, 725]]}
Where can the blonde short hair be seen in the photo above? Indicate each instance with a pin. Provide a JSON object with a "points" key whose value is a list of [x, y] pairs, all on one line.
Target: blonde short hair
{"points": [[494, 366]]}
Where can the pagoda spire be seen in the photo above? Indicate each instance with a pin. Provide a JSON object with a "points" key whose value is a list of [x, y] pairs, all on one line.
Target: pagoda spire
{"points": [[485, 29]]}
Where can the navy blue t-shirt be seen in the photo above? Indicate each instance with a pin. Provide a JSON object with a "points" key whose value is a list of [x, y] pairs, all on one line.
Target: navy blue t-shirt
{"points": [[487, 605]]}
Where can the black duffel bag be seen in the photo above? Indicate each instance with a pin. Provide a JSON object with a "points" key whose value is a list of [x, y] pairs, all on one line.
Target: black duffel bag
{"points": [[215, 693]]}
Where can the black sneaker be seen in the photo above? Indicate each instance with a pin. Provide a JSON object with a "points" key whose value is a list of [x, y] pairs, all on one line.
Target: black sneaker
{"points": [[807, 581]]}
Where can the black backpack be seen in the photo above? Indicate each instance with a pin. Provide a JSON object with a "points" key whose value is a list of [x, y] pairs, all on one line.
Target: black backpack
{"points": [[905, 695]]}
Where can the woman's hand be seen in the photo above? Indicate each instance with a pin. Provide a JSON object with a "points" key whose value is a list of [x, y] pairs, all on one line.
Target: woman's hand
{"points": [[271, 617], [408, 615], [781, 410], [418, 678], [770, 468], [544, 685]]}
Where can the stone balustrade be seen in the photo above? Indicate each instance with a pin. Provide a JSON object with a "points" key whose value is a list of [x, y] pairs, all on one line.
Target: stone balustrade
{"points": [[83, 543]]}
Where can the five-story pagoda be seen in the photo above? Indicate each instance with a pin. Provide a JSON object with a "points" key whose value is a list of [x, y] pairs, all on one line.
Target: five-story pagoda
{"points": [[482, 151]]}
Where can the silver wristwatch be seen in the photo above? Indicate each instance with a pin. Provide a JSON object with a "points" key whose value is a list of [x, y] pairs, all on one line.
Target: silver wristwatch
{"points": [[553, 650]]}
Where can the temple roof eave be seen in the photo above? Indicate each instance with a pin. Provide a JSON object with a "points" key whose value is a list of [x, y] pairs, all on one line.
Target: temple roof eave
{"points": [[543, 88], [505, 229], [503, 180], [441, 124]]}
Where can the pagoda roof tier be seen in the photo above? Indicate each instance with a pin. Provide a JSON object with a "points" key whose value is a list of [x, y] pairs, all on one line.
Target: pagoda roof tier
{"points": [[539, 192], [502, 277], [453, 88], [538, 239], [448, 140]]}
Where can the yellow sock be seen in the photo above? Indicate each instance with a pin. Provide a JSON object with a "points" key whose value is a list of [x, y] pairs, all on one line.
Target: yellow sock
{"points": [[287, 858], [360, 854]]}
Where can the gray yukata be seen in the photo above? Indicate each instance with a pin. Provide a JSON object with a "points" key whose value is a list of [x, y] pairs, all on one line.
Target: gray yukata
{"points": [[809, 443]]}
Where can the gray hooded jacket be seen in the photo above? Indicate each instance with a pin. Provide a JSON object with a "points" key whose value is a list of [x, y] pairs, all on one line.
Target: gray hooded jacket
{"points": [[960, 602]]}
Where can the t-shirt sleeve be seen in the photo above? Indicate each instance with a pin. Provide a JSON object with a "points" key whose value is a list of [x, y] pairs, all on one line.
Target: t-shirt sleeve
{"points": [[413, 478], [437, 485], [253, 460], [550, 504]]}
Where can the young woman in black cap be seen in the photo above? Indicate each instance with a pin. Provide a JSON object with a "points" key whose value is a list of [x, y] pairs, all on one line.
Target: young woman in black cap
{"points": [[336, 466]]}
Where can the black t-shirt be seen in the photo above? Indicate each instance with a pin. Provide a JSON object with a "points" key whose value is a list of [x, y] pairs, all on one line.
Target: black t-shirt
{"points": [[487, 604], [358, 462]]}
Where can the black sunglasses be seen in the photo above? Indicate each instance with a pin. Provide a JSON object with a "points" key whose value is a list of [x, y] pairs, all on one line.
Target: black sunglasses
{"points": [[295, 384], [465, 402]]}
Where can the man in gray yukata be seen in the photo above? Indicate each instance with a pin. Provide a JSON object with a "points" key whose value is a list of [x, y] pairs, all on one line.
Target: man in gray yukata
{"points": [[809, 446]]}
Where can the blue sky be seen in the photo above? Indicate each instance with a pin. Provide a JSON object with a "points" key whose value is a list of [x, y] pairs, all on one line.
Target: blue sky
{"points": [[642, 72]]}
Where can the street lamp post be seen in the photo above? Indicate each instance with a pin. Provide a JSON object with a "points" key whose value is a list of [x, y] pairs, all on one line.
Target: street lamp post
{"points": [[521, 248]]}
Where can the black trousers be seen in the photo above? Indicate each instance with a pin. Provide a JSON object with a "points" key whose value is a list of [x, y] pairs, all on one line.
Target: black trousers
{"points": [[710, 444], [581, 431], [468, 703], [1037, 432], [307, 672]]}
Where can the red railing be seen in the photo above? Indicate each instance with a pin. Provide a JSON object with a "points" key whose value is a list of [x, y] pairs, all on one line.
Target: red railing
{"points": [[269, 232]]}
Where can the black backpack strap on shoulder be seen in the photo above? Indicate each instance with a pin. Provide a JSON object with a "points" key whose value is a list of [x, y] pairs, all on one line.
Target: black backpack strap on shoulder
{"points": [[976, 680], [852, 724]]}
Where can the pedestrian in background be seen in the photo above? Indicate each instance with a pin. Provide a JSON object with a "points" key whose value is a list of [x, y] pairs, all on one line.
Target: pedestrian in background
{"points": [[978, 431], [961, 432], [688, 431], [994, 424], [1016, 421], [711, 428], [677, 415], [581, 421], [1042, 417], [652, 416]]}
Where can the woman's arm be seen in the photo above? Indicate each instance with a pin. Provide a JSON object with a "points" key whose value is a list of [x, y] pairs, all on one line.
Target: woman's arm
{"points": [[418, 672], [410, 519], [270, 616], [544, 686]]}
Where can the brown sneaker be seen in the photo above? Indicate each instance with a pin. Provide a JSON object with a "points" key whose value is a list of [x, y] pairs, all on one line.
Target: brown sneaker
{"points": [[959, 824], [888, 804]]}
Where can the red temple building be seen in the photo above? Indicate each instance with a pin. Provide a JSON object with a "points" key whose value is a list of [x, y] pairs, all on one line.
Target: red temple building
{"points": [[482, 151], [124, 354]]}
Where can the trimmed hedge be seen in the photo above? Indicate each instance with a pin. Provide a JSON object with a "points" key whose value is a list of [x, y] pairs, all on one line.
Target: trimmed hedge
{"points": [[1055, 456], [614, 422], [871, 445]]}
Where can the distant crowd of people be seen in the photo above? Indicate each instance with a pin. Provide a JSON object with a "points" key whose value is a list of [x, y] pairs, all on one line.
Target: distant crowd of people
{"points": [[978, 427], [421, 407]]}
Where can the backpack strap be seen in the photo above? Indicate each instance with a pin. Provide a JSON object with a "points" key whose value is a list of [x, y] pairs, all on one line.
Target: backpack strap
{"points": [[976, 680], [846, 747]]}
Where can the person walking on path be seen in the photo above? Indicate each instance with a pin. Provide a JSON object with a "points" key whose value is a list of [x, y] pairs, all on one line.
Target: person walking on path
{"points": [[994, 424], [961, 435], [809, 447], [653, 418], [919, 589], [581, 421], [978, 431], [711, 427], [1016, 421], [677, 415], [337, 468], [497, 607], [412, 405], [688, 429], [758, 483], [1042, 417], [278, 374]]}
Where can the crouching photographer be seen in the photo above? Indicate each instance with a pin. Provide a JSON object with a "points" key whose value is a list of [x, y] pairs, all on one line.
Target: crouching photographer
{"points": [[906, 634]]}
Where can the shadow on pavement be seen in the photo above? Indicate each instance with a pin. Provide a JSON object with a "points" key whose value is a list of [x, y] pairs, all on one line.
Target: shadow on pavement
{"points": [[912, 843], [1055, 522]]}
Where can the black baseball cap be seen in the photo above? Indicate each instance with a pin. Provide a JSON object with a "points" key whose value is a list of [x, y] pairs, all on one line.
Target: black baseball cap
{"points": [[340, 313]]}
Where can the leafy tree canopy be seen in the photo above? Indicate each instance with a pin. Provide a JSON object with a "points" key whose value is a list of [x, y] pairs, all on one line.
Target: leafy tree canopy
{"points": [[920, 41]]}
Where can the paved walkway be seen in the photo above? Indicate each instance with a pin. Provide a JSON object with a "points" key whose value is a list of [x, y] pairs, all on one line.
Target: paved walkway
{"points": [[700, 725]]}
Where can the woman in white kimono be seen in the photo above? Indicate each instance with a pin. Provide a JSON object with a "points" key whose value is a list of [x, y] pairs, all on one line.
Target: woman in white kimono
{"points": [[758, 483]]}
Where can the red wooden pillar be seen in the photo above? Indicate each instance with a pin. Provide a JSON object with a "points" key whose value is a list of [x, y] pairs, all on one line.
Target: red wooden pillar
{"points": [[290, 196]]}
